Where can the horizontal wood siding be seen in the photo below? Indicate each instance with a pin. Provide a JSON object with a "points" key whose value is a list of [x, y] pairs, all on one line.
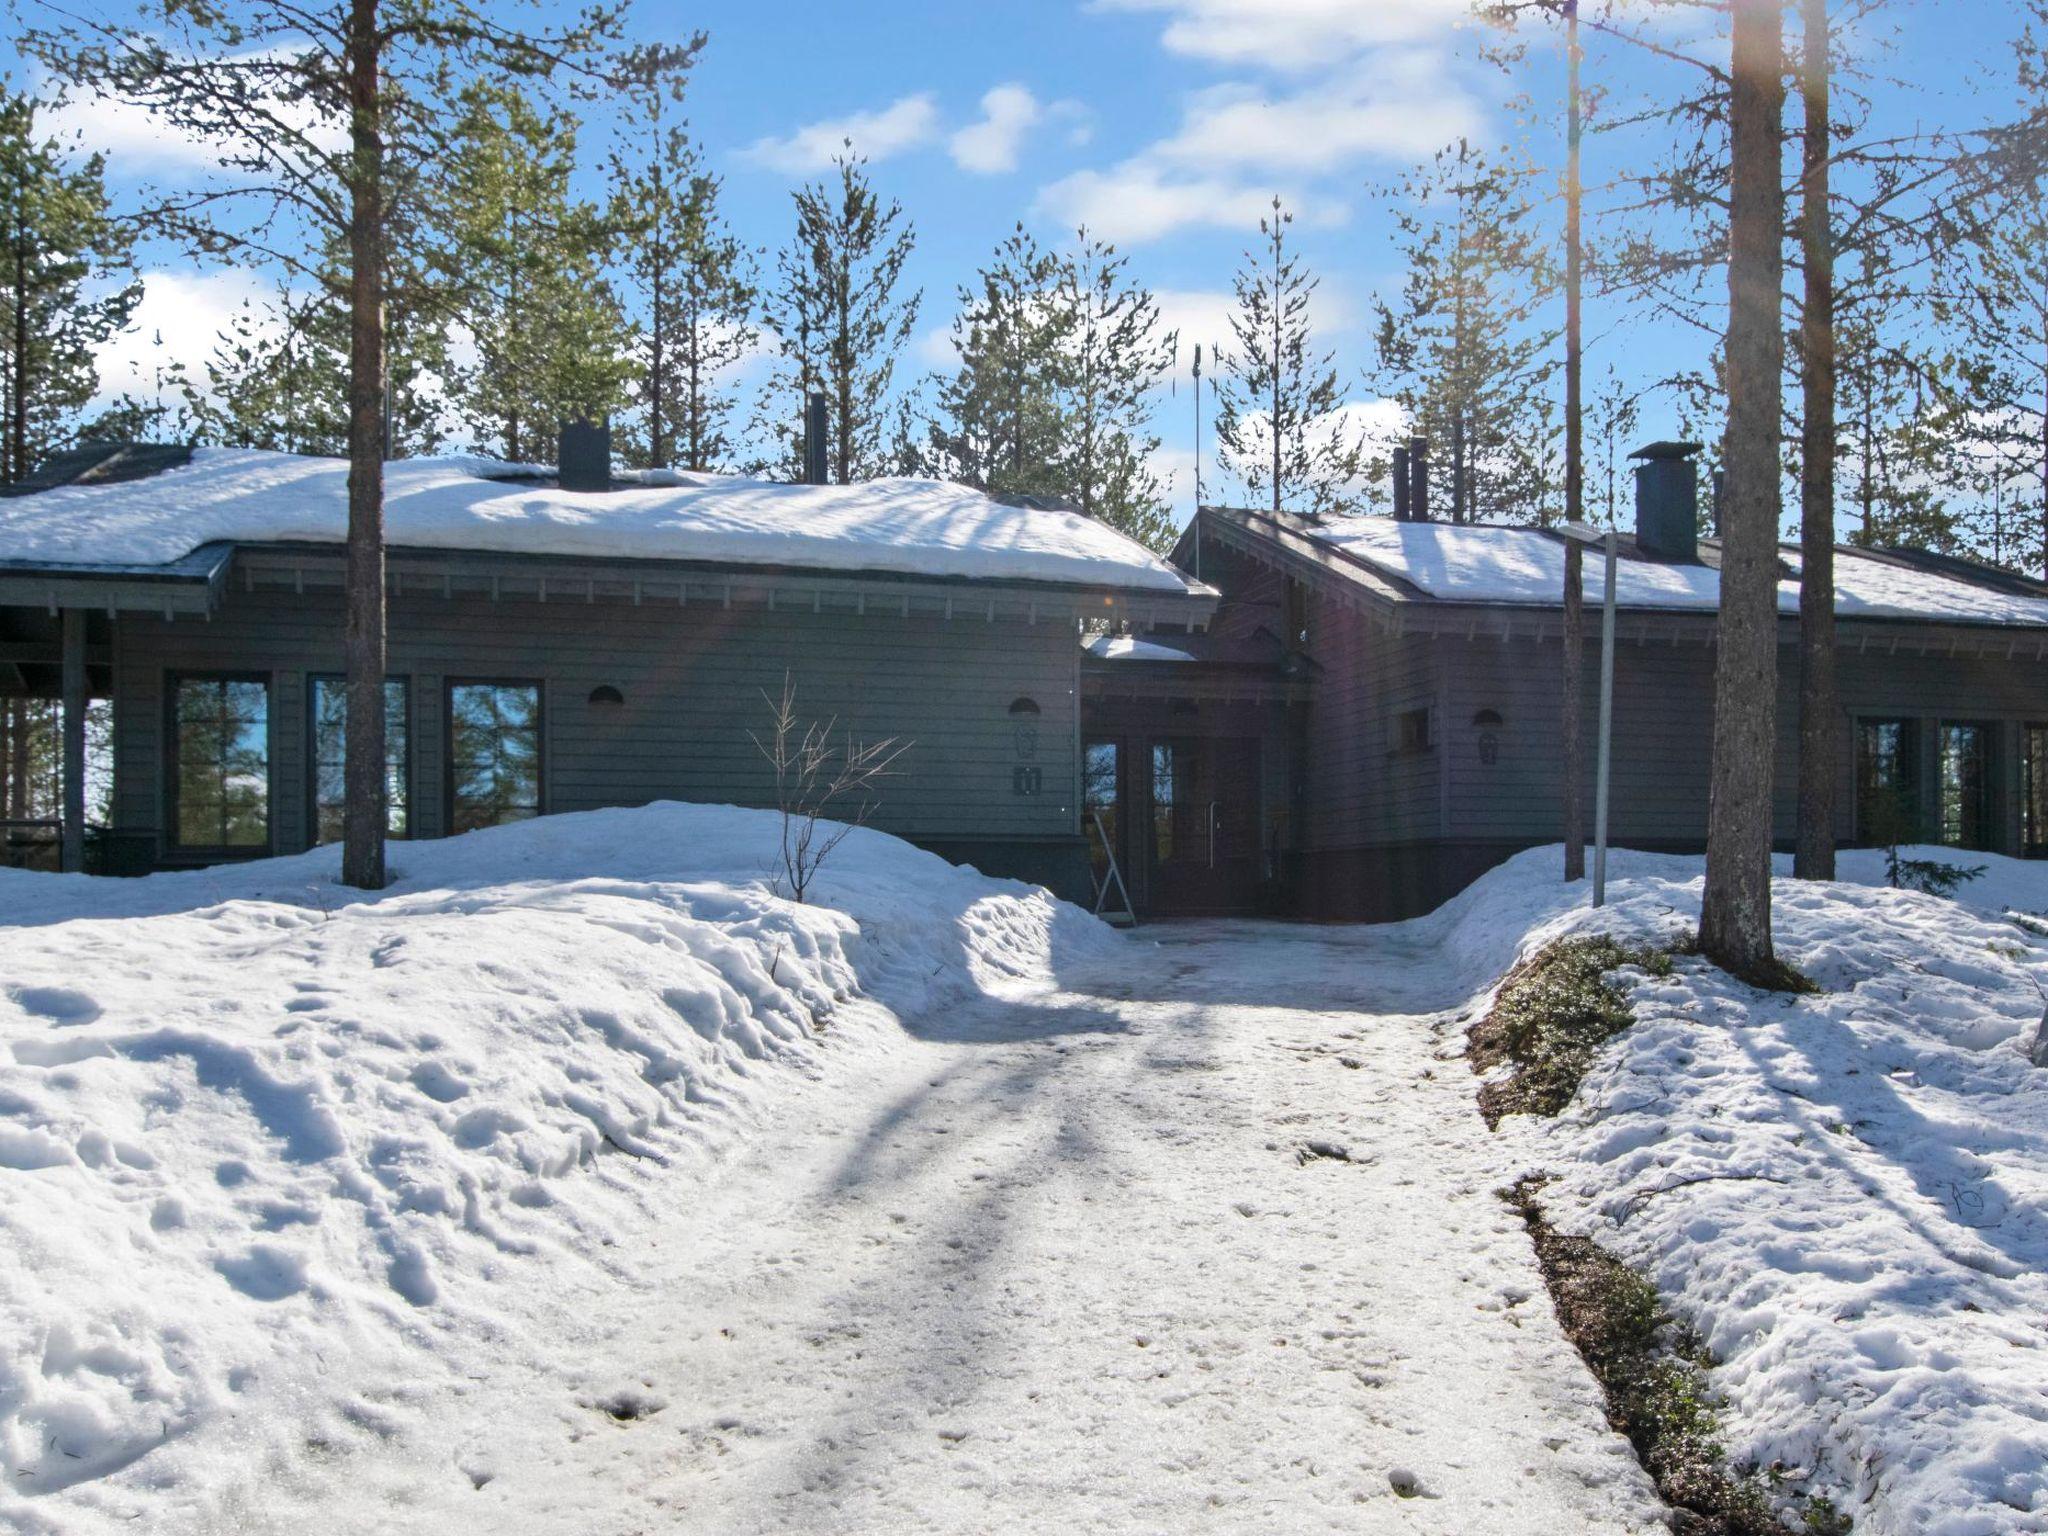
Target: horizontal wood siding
{"points": [[1360, 788], [1663, 733], [693, 681]]}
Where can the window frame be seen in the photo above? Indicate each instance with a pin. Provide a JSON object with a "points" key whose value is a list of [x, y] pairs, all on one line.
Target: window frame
{"points": [[173, 680], [2032, 846], [313, 682], [1418, 743], [1987, 782], [540, 743], [1910, 766]]}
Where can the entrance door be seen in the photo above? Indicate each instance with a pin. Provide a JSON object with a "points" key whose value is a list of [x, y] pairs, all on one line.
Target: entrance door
{"points": [[1203, 842]]}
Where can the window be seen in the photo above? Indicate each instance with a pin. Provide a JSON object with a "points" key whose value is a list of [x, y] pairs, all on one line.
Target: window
{"points": [[1101, 799], [2034, 792], [1887, 780], [329, 707], [220, 763], [1411, 731], [494, 754], [1966, 784], [1165, 763]]}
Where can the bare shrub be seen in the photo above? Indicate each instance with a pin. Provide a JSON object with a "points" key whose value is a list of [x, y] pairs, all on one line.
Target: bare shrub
{"points": [[825, 783]]}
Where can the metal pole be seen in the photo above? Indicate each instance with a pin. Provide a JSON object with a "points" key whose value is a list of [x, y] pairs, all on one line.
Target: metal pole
{"points": [[73, 849], [1606, 727]]}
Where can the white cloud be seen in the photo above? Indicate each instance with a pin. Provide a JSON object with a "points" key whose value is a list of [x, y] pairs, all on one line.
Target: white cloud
{"points": [[1203, 316], [137, 140], [906, 123], [934, 348], [1140, 200], [989, 147], [1295, 34], [179, 320], [1407, 107]]}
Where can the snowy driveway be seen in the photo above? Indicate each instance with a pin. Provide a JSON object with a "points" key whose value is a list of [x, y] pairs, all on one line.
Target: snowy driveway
{"points": [[1055, 1264]]}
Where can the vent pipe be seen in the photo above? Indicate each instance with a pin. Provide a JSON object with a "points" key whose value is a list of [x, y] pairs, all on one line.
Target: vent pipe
{"points": [[814, 439], [584, 460], [1668, 502], [1418, 478], [1401, 483]]}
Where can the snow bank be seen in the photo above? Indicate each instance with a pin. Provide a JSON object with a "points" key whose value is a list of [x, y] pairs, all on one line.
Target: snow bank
{"points": [[1847, 1193], [246, 495], [267, 1149], [1526, 565]]}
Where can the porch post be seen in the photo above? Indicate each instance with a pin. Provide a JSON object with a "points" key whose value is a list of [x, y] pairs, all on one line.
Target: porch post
{"points": [[74, 740]]}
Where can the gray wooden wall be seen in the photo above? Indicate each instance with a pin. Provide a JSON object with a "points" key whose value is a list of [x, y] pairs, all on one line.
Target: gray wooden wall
{"points": [[1364, 791], [692, 678]]}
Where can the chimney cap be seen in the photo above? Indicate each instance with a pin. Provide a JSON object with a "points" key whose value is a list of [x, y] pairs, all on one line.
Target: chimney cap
{"points": [[1667, 450]]}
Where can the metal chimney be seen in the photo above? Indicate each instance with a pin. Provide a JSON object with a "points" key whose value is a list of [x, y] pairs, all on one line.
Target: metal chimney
{"points": [[1418, 477], [1401, 483], [814, 439], [1668, 502], [584, 461]]}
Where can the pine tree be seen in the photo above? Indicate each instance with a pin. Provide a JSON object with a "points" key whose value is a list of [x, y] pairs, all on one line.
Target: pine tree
{"points": [[997, 424], [277, 377], [691, 284], [264, 83], [839, 321], [66, 278], [1113, 356], [523, 257], [1735, 902], [1278, 427], [1468, 351]]}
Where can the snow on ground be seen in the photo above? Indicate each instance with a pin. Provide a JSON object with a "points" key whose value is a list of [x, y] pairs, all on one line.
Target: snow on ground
{"points": [[279, 1167], [1847, 1193], [529, 1196], [920, 527]]}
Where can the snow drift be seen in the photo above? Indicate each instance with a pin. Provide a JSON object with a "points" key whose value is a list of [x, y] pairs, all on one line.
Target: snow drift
{"points": [[264, 1141], [1846, 1193]]}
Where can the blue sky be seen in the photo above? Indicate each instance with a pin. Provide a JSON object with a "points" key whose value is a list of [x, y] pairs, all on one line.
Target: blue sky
{"points": [[1166, 125]]}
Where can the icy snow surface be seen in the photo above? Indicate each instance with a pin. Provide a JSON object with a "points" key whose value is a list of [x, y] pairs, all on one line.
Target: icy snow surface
{"points": [[1847, 1193], [1131, 648], [1526, 565], [578, 1185], [919, 527]]}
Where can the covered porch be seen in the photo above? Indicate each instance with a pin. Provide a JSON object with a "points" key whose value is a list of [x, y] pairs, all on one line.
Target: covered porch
{"points": [[1191, 775], [59, 633]]}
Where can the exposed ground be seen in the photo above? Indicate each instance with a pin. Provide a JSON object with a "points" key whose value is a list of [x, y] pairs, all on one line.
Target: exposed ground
{"points": [[1208, 1240]]}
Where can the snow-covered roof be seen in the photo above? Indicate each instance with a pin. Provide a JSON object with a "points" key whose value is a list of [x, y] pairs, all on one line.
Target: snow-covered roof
{"points": [[1131, 648], [1475, 564], [248, 496]]}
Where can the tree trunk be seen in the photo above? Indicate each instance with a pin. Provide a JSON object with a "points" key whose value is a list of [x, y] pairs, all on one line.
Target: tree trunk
{"points": [[363, 788], [1735, 908], [17, 427], [17, 778], [1813, 855]]}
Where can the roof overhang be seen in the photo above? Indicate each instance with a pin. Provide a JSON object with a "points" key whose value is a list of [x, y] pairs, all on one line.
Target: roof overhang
{"points": [[1398, 607], [418, 572], [189, 585]]}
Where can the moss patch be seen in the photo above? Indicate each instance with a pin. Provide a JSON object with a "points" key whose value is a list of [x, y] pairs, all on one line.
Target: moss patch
{"points": [[1652, 1370], [1553, 1013]]}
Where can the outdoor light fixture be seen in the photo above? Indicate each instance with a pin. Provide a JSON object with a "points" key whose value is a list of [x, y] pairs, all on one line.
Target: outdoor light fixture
{"points": [[1487, 722], [1609, 542]]}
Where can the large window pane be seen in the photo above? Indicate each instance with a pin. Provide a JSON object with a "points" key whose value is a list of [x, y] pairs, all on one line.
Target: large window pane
{"points": [[1966, 785], [1887, 781], [220, 762], [1101, 800], [494, 750], [330, 756], [1165, 772]]}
